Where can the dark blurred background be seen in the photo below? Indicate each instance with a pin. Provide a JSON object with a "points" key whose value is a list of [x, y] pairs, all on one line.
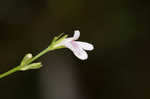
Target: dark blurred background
{"points": [[118, 68]]}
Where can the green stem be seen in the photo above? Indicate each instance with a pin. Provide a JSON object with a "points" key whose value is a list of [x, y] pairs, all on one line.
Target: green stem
{"points": [[9, 72], [33, 59], [38, 55]]}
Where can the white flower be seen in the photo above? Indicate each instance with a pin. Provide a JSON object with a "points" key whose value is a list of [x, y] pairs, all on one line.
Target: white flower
{"points": [[77, 47]]}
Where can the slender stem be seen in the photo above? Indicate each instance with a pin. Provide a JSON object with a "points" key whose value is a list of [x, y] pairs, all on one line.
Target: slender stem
{"points": [[38, 55], [33, 59], [9, 72]]}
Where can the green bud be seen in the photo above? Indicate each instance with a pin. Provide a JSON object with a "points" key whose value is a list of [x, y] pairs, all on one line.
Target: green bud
{"points": [[31, 66], [26, 58]]}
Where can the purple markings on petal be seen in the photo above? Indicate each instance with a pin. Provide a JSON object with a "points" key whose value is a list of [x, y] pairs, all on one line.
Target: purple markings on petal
{"points": [[77, 47]]}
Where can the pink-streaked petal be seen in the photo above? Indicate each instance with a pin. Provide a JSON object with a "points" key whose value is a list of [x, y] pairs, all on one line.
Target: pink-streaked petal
{"points": [[68, 39], [85, 46], [76, 34], [77, 50], [63, 42]]}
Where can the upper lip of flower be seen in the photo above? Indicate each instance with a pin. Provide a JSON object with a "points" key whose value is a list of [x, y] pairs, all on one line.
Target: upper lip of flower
{"points": [[77, 47]]}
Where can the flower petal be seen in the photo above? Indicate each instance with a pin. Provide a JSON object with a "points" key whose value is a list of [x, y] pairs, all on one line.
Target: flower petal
{"points": [[63, 42], [85, 46], [77, 50], [76, 34]]}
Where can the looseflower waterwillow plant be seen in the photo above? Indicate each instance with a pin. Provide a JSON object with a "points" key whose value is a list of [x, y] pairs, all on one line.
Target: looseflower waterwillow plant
{"points": [[77, 47]]}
